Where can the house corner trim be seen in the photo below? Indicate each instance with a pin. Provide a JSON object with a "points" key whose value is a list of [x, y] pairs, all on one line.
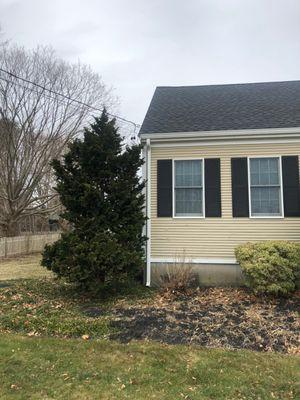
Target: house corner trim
{"points": [[148, 212]]}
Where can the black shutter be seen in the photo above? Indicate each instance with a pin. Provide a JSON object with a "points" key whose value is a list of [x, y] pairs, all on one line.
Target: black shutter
{"points": [[239, 187], [212, 187], [290, 179], [164, 188]]}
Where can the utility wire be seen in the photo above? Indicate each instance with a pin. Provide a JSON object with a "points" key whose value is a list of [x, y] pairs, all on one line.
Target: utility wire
{"points": [[131, 136], [66, 97], [47, 96]]}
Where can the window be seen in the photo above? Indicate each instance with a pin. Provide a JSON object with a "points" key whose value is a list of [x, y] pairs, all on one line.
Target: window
{"points": [[188, 188], [265, 187]]}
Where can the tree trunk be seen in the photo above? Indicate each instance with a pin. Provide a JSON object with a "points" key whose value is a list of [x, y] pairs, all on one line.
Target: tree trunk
{"points": [[11, 228], [100, 278]]}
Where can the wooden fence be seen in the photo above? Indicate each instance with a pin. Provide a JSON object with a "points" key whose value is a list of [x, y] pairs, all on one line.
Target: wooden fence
{"points": [[21, 245]]}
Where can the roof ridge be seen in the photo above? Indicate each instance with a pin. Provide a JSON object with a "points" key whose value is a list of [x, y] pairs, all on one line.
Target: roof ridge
{"points": [[227, 84]]}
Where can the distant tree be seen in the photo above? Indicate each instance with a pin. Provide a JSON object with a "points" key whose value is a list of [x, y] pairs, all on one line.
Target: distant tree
{"points": [[36, 124], [2, 40], [99, 187]]}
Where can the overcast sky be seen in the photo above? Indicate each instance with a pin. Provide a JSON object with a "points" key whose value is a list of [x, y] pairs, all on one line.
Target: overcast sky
{"points": [[137, 45]]}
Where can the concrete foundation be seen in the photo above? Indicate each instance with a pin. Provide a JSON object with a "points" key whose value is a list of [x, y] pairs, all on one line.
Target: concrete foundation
{"points": [[203, 274]]}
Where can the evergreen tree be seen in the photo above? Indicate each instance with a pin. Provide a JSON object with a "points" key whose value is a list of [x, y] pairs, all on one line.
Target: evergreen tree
{"points": [[102, 195]]}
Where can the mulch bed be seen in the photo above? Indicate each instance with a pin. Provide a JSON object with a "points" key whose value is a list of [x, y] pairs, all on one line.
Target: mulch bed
{"points": [[228, 318]]}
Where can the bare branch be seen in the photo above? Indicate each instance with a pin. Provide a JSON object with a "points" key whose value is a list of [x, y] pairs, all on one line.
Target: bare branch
{"points": [[36, 125]]}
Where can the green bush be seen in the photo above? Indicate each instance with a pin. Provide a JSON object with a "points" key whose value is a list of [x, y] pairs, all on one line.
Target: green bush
{"points": [[270, 267], [91, 262], [102, 195]]}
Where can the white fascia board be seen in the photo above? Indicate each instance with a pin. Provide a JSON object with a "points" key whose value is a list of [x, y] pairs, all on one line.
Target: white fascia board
{"points": [[234, 134], [224, 142]]}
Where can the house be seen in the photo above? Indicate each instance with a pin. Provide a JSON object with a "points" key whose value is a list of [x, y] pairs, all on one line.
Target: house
{"points": [[222, 168]]}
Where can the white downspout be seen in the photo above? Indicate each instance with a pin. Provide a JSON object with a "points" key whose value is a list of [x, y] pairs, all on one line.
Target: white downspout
{"points": [[148, 213]]}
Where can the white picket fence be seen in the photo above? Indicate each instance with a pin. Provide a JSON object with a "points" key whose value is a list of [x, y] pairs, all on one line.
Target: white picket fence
{"points": [[21, 245]]}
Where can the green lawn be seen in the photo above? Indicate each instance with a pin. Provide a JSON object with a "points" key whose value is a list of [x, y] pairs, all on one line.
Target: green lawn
{"points": [[51, 368], [45, 354], [47, 307]]}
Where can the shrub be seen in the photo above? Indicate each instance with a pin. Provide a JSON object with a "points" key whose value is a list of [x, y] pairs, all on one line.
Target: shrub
{"points": [[177, 277], [102, 195], [93, 262], [270, 267]]}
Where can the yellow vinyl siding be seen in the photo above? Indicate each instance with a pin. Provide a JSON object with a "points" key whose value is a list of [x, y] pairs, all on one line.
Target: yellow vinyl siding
{"points": [[216, 237]]}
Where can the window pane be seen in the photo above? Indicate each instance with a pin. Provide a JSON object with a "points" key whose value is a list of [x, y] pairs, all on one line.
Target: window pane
{"points": [[264, 171], [274, 171], [188, 202], [254, 171], [265, 201], [188, 173]]}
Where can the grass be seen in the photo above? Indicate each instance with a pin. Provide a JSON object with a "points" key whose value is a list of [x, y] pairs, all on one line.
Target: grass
{"points": [[46, 307], [52, 368], [45, 354], [22, 268]]}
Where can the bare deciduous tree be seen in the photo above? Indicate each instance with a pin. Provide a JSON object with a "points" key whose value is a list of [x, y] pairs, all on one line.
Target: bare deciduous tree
{"points": [[36, 123], [3, 41]]}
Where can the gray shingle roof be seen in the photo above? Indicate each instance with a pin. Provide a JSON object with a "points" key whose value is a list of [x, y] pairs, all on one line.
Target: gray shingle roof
{"points": [[223, 107]]}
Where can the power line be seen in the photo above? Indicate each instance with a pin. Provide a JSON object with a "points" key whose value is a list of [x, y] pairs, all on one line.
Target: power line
{"points": [[47, 96], [132, 135], [66, 97]]}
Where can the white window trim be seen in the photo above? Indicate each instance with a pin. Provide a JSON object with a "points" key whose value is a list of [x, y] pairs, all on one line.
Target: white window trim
{"points": [[203, 188], [281, 188]]}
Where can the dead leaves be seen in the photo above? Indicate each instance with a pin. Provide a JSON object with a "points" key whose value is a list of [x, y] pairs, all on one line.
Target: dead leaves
{"points": [[229, 318]]}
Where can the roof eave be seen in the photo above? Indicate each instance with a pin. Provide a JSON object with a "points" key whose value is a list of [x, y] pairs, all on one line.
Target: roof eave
{"points": [[230, 134]]}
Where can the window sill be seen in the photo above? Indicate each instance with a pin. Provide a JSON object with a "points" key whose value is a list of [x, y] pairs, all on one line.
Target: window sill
{"points": [[266, 217], [188, 217]]}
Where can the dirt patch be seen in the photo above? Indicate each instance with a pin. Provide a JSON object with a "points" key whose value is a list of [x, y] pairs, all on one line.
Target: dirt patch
{"points": [[92, 312], [229, 318]]}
